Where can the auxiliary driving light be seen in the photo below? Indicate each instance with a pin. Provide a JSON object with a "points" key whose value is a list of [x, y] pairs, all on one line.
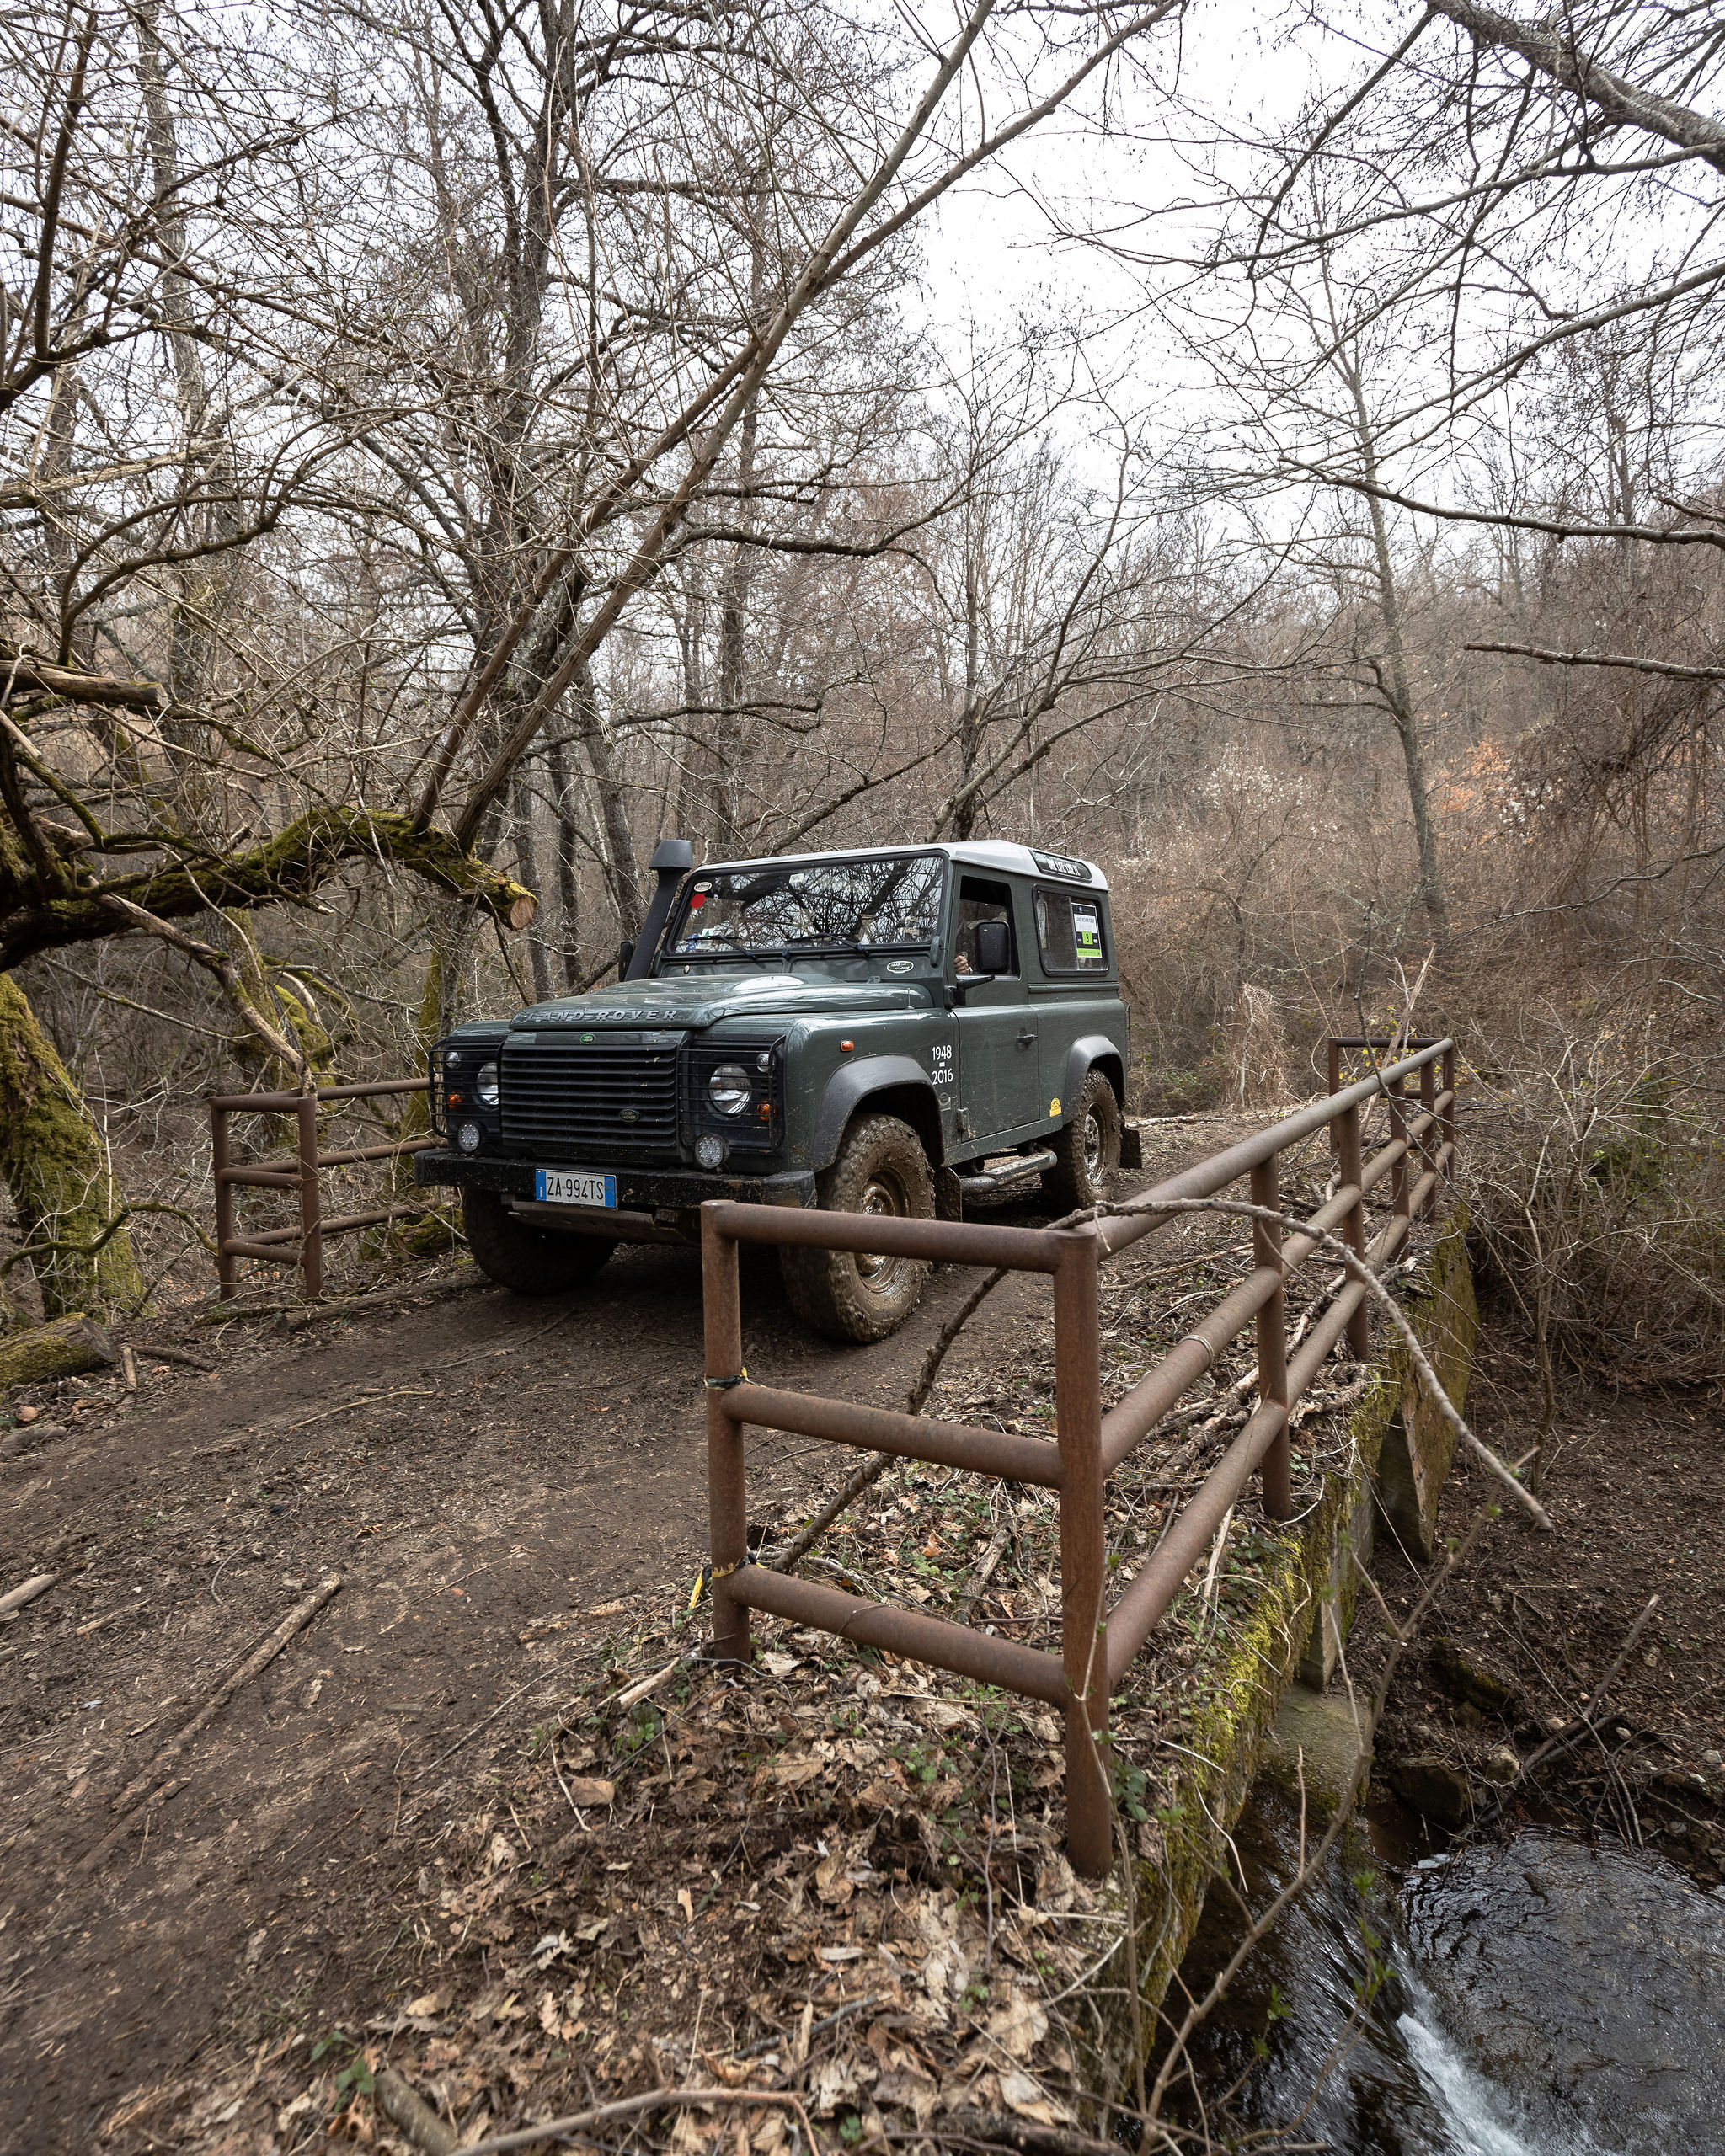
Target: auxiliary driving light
{"points": [[467, 1137], [709, 1151]]}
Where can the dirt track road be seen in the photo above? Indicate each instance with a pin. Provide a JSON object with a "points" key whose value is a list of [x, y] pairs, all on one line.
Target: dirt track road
{"points": [[468, 1467]]}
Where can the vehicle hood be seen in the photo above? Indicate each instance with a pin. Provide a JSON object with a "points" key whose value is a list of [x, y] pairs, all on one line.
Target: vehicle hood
{"points": [[699, 1003]]}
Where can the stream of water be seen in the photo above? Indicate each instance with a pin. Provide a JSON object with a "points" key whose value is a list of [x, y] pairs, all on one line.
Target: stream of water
{"points": [[1543, 1998]]}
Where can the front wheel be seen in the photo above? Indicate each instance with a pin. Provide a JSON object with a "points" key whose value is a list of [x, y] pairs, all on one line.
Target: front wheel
{"points": [[881, 1168], [530, 1261], [1087, 1151]]}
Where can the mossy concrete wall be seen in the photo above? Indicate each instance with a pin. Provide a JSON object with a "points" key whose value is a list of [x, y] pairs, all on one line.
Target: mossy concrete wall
{"points": [[1391, 1477]]}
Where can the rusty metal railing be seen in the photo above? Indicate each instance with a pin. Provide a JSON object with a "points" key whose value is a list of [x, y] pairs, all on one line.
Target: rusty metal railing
{"points": [[301, 1171], [1098, 1643]]}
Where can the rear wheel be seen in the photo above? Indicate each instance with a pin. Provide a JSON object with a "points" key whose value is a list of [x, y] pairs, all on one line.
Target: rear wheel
{"points": [[881, 1168], [530, 1261], [1087, 1150]]}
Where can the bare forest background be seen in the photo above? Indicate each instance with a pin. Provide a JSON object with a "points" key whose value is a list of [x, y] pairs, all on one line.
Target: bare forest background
{"points": [[448, 447]]}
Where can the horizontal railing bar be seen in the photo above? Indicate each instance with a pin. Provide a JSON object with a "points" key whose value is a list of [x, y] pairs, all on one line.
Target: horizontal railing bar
{"points": [[375, 1152], [286, 1103], [275, 1252], [1385, 1040], [1135, 1615], [954, 1242], [374, 1091], [980, 1656], [909, 1437], [348, 1220], [261, 1178], [1127, 1424], [1121, 1229]]}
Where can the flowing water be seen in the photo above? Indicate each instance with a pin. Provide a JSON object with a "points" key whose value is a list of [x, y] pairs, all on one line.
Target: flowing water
{"points": [[1541, 1997]]}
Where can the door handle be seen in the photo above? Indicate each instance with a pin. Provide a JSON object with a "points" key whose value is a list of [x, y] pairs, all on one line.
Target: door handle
{"points": [[1027, 1040]]}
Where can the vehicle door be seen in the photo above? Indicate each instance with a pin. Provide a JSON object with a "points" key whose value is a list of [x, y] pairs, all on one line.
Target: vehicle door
{"points": [[999, 1077], [1078, 965]]}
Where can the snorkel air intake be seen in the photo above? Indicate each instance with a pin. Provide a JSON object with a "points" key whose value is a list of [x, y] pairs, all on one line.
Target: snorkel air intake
{"points": [[672, 860]]}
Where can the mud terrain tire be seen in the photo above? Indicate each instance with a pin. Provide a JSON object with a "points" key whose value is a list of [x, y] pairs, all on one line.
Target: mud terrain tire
{"points": [[530, 1261], [1087, 1150], [881, 1168]]}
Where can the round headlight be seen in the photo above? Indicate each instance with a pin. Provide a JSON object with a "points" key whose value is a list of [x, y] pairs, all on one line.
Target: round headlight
{"points": [[729, 1089], [485, 1085], [451, 1061], [709, 1152], [468, 1136]]}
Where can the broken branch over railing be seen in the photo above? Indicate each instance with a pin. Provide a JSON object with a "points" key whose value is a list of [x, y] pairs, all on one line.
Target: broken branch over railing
{"points": [[1098, 1643]]}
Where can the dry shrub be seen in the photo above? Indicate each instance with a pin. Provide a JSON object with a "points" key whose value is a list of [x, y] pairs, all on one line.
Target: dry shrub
{"points": [[1257, 1052], [1595, 1175]]}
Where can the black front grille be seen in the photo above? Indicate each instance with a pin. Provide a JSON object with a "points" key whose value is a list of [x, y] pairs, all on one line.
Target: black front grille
{"points": [[598, 1101]]}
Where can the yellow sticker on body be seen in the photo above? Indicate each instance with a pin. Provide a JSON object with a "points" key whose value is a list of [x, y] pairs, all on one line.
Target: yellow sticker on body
{"points": [[1054, 1106]]}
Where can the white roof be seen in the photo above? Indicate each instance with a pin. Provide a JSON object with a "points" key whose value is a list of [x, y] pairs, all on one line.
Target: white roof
{"points": [[972, 853]]}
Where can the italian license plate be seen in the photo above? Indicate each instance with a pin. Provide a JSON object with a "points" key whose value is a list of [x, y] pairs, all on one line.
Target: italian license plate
{"points": [[574, 1187]]}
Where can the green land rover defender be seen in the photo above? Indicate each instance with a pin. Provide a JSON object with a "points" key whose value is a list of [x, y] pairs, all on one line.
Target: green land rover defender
{"points": [[910, 1030]]}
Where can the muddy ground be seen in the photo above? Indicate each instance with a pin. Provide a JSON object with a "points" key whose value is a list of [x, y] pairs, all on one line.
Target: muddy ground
{"points": [[512, 1494], [502, 1485]]}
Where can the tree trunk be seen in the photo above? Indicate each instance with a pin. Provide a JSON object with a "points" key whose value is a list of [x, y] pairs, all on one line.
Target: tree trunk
{"points": [[1393, 678], [527, 868], [55, 1162], [621, 871], [568, 889]]}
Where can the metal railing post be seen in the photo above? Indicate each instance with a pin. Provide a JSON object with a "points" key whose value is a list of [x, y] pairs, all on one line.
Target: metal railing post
{"points": [[1401, 1182], [1446, 1132], [1272, 1343], [1351, 1164], [1429, 1139], [1083, 1555], [727, 1489], [221, 1161], [311, 1198]]}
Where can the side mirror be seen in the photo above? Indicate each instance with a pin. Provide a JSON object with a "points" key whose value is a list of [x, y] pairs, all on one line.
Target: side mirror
{"points": [[994, 948], [626, 952]]}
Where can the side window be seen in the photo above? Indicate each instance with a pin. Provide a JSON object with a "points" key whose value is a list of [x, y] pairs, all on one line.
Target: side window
{"points": [[1069, 934], [980, 901]]}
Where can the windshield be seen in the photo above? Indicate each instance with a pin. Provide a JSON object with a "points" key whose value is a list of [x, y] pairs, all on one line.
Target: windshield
{"points": [[835, 905]]}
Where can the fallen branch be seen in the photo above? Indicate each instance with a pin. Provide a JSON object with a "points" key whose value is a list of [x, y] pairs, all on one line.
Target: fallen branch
{"points": [[628, 2106], [1583, 1721], [1361, 1271], [297, 1313], [157, 1353], [133, 1800], [400, 2101], [16, 1597]]}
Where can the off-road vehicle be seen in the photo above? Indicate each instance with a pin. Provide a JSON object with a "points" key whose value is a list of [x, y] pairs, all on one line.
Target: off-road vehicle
{"points": [[910, 1031]]}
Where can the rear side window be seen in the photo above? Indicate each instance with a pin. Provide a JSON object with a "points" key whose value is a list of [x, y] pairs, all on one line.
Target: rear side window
{"points": [[1069, 934]]}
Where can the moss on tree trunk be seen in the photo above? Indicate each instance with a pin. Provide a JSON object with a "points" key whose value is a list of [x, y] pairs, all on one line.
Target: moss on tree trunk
{"points": [[55, 1163]]}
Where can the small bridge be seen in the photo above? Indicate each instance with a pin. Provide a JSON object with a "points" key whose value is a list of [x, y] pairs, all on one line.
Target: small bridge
{"points": [[1099, 1642]]}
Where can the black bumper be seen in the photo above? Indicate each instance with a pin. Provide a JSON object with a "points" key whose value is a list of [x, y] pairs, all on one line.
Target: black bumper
{"points": [[639, 1190]]}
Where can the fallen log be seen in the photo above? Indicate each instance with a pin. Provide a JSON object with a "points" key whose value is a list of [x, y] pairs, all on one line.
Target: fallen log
{"points": [[133, 1800], [66, 1349], [18, 1596]]}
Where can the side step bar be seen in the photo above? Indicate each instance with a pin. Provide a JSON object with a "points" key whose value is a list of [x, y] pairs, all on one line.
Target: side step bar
{"points": [[993, 1181]]}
